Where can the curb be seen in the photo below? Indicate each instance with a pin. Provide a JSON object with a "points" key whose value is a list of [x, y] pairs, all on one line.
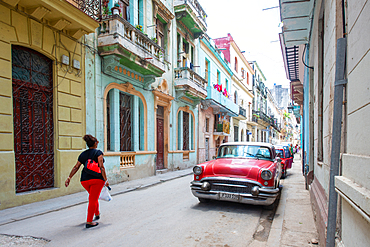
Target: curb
{"points": [[277, 223]]}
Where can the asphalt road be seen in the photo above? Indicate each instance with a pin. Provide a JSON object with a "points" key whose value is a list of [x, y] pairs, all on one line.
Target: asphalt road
{"points": [[163, 215]]}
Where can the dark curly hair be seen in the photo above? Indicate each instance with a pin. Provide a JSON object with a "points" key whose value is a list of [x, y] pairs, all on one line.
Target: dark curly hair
{"points": [[90, 140]]}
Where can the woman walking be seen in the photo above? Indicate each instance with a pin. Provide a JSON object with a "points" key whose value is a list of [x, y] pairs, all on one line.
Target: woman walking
{"points": [[92, 183]]}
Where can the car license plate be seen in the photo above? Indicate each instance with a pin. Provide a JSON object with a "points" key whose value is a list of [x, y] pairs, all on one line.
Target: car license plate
{"points": [[228, 196]]}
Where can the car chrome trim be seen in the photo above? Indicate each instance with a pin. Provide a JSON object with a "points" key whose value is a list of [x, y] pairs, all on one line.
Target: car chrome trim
{"points": [[231, 185], [244, 180], [261, 199]]}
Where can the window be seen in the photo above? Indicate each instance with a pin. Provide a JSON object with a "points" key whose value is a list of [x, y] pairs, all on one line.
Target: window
{"points": [[207, 125], [236, 97], [140, 12], [236, 133], [243, 73], [236, 64], [206, 70], [185, 131], [218, 77], [185, 128], [160, 33], [124, 121], [124, 7], [247, 78]]}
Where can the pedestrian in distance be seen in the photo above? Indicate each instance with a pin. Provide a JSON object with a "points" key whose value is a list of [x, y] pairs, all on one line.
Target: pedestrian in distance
{"points": [[291, 151], [93, 182]]}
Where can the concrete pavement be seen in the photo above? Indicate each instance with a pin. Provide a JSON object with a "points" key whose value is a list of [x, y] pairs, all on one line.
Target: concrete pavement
{"points": [[293, 224]]}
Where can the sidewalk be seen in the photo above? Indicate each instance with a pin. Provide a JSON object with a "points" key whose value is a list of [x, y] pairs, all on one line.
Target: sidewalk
{"points": [[293, 224], [39, 208]]}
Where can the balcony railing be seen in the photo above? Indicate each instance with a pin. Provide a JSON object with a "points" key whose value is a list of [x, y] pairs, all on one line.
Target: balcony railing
{"points": [[223, 127], [222, 100], [194, 14], [115, 30], [91, 8], [187, 78], [242, 111]]}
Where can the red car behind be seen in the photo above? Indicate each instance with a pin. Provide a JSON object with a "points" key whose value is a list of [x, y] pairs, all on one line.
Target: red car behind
{"points": [[242, 172], [286, 158]]}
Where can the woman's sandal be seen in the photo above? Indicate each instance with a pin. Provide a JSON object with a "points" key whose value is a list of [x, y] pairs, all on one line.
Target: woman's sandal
{"points": [[91, 225]]}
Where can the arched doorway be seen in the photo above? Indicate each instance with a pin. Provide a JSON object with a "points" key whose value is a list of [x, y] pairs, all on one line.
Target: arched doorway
{"points": [[32, 77]]}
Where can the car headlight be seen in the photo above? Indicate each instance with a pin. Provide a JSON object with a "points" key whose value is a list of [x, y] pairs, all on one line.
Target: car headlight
{"points": [[266, 174], [197, 170]]}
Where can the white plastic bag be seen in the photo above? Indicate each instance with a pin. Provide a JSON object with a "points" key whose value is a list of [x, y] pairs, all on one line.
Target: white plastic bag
{"points": [[104, 195]]}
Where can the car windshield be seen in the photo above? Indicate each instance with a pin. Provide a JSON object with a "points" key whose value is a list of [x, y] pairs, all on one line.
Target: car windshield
{"points": [[244, 151], [281, 152]]}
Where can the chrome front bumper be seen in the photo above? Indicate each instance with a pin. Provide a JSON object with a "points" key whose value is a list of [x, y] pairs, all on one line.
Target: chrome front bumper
{"points": [[258, 195]]}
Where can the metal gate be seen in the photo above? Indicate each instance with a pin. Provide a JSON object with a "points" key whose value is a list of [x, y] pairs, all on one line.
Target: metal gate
{"points": [[186, 130], [33, 119], [125, 122]]}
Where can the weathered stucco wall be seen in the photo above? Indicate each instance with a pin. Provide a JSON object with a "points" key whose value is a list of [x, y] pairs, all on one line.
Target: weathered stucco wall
{"points": [[68, 110]]}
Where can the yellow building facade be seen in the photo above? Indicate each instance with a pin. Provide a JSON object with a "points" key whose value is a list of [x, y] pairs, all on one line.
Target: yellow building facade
{"points": [[42, 97]]}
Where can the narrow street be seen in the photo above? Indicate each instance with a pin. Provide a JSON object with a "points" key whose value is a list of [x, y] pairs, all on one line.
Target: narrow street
{"points": [[163, 215]]}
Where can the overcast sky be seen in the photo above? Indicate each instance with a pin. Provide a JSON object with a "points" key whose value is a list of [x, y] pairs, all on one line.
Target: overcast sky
{"points": [[254, 31]]}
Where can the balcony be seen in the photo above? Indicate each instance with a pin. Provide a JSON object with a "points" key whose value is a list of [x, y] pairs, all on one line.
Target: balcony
{"points": [[264, 119], [296, 91], [131, 47], [191, 14], [221, 103], [190, 85], [222, 130], [242, 114], [75, 17]]}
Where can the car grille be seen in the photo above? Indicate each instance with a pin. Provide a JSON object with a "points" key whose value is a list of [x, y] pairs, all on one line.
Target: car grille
{"points": [[231, 186]]}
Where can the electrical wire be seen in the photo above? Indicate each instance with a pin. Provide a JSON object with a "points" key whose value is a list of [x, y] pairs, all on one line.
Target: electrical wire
{"points": [[304, 51]]}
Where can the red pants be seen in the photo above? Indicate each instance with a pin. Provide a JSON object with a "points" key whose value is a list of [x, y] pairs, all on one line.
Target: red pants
{"points": [[93, 187]]}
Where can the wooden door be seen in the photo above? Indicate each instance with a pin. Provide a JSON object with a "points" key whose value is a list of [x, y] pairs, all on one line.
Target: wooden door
{"points": [[33, 119], [160, 138]]}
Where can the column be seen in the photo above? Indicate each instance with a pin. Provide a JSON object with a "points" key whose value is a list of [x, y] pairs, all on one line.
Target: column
{"points": [[115, 120], [135, 123], [180, 131]]}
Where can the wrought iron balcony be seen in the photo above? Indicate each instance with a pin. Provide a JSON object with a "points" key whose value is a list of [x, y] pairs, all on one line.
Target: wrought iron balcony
{"points": [[91, 8], [191, 14], [192, 85], [242, 114], [132, 47], [223, 127]]}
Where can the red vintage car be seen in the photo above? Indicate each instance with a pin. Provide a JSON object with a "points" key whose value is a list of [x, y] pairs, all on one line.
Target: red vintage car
{"points": [[245, 172], [286, 158]]}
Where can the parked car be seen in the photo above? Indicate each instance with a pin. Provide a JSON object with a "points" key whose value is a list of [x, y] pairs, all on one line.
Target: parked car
{"points": [[245, 172], [286, 159]]}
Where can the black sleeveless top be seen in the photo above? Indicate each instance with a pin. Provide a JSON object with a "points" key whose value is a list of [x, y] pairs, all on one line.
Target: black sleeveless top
{"points": [[84, 156]]}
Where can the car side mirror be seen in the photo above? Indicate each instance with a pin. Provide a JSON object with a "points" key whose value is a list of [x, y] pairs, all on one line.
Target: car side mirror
{"points": [[278, 155], [278, 159]]}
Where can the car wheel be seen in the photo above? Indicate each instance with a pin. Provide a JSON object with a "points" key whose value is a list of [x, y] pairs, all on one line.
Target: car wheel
{"points": [[283, 175], [203, 200]]}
